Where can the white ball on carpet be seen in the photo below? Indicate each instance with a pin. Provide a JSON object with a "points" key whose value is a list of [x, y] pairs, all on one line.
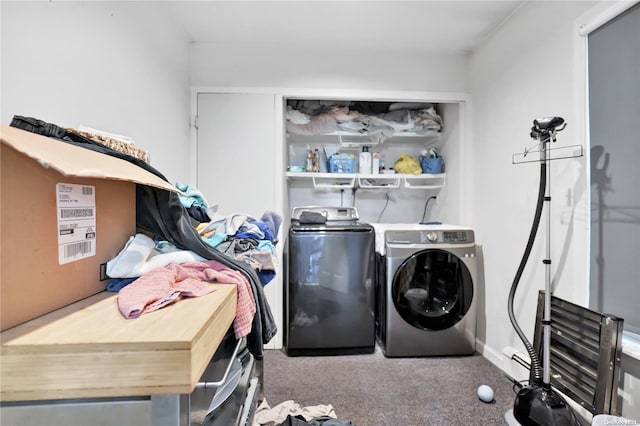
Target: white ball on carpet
{"points": [[485, 393]]}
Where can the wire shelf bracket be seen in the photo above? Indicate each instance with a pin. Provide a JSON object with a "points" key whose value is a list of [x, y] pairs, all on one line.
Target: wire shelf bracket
{"points": [[558, 153]]}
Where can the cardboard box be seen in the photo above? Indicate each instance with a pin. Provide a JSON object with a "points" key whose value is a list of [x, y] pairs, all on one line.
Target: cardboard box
{"points": [[65, 211]]}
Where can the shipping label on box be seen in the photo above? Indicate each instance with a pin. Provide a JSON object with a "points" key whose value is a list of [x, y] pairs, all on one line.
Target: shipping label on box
{"points": [[76, 208]]}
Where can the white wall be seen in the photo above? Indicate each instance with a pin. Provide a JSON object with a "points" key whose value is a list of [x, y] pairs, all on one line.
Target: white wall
{"points": [[112, 66], [532, 67], [263, 66], [523, 72]]}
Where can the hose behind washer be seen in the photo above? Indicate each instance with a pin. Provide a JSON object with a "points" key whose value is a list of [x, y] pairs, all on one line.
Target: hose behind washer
{"points": [[535, 360]]}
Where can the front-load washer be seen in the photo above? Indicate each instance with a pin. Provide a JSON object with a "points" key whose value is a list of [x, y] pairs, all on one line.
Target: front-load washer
{"points": [[426, 286]]}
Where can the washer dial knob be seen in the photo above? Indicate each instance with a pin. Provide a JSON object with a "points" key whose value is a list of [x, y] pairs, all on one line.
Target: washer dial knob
{"points": [[432, 236]]}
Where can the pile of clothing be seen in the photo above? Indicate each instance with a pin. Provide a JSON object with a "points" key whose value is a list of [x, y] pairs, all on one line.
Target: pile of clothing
{"points": [[238, 235], [290, 413], [149, 273], [161, 215], [381, 119]]}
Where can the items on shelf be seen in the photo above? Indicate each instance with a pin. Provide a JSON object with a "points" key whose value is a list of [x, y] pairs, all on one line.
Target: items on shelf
{"points": [[364, 161], [312, 163], [379, 119], [341, 163], [431, 162], [407, 164], [376, 163]]}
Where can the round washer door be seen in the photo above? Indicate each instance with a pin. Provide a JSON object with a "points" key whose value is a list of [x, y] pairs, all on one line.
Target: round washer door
{"points": [[432, 289]]}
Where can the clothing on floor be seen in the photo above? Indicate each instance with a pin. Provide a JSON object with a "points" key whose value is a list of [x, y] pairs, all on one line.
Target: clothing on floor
{"points": [[318, 421], [265, 415]]}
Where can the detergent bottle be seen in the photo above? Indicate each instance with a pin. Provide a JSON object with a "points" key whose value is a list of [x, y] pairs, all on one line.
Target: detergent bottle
{"points": [[364, 163]]}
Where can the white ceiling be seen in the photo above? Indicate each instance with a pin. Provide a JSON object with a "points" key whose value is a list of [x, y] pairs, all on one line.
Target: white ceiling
{"points": [[410, 26]]}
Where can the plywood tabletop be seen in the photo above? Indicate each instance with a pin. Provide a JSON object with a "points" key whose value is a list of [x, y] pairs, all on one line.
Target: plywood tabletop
{"points": [[89, 349]]}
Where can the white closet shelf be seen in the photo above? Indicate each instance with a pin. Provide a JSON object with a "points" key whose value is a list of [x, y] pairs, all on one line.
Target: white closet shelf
{"points": [[325, 180], [424, 181], [379, 181], [370, 181], [348, 139], [333, 180]]}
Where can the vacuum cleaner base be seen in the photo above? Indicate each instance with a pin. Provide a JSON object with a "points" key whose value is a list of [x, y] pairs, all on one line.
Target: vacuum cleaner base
{"points": [[539, 405]]}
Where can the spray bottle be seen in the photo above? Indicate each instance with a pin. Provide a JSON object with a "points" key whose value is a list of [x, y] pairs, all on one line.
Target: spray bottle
{"points": [[375, 165]]}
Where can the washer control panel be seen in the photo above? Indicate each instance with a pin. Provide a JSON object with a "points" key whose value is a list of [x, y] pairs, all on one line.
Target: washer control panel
{"points": [[329, 213], [431, 236], [455, 236], [446, 236]]}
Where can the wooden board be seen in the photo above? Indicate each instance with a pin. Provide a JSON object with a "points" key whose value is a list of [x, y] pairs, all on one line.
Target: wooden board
{"points": [[88, 349]]}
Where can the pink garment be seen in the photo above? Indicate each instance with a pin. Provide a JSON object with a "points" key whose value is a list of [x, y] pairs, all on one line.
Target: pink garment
{"points": [[343, 113], [166, 285], [319, 124]]}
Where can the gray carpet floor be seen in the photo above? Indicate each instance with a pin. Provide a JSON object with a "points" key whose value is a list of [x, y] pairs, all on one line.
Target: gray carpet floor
{"points": [[372, 390]]}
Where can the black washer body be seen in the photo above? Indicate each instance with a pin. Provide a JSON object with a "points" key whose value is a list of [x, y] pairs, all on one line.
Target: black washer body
{"points": [[329, 297]]}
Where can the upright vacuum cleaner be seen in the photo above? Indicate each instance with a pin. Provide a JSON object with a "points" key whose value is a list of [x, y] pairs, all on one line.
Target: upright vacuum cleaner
{"points": [[537, 404]]}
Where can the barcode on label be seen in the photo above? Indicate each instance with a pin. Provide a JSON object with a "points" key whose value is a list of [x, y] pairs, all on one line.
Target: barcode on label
{"points": [[72, 250], [87, 190], [74, 213]]}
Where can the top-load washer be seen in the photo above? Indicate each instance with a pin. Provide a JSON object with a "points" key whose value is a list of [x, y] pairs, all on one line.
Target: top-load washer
{"points": [[426, 290], [329, 283]]}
